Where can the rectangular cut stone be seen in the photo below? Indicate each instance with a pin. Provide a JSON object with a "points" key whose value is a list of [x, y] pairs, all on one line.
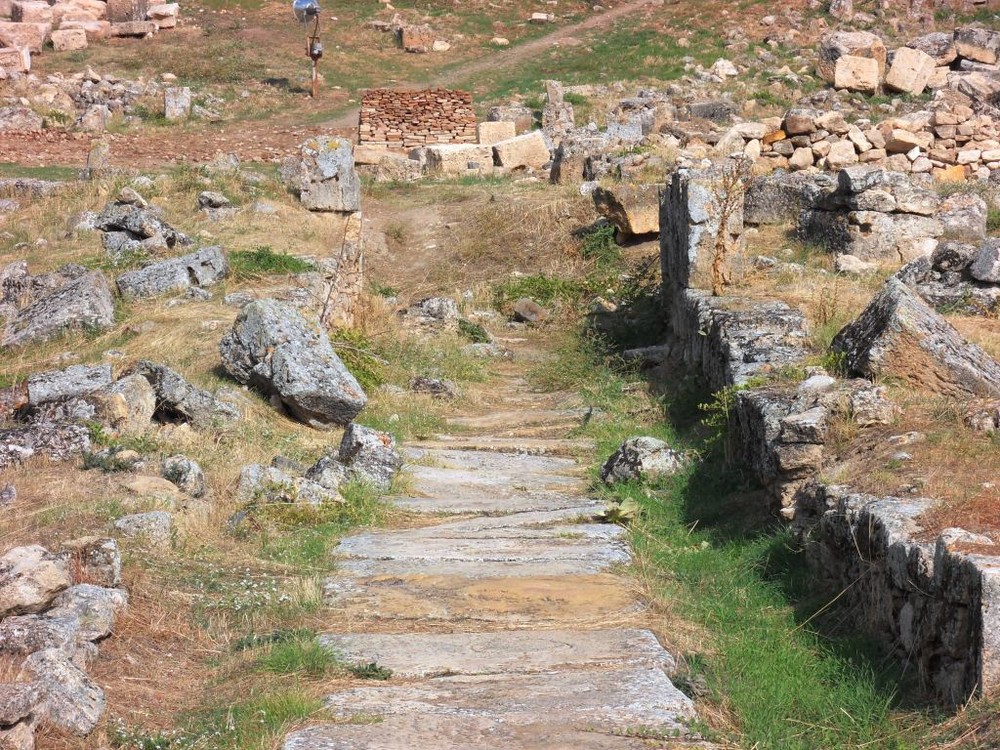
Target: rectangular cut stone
{"points": [[490, 133], [528, 150], [121, 11], [31, 36], [458, 158], [177, 103], [164, 14], [67, 40], [981, 45], [29, 11], [910, 71], [134, 28], [857, 74], [15, 58], [95, 30]]}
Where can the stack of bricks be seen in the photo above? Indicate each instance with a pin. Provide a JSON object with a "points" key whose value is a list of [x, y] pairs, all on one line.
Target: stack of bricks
{"points": [[409, 119]]}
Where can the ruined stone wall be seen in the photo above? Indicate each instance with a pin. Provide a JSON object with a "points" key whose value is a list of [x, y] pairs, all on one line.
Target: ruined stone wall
{"points": [[409, 119], [935, 604]]}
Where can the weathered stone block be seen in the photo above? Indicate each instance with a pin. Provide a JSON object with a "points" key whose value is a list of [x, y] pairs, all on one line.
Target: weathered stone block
{"points": [[15, 58], [30, 11], [30, 36], [633, 209], [528, 150], [857, 74], [911, 70], [981, 45], [67, 40], [491, 133], [121, 11], [854, 43]]}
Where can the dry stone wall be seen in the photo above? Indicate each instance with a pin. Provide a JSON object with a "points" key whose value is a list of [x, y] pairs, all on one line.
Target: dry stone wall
{"points": [[935, 604], [409, 119]]}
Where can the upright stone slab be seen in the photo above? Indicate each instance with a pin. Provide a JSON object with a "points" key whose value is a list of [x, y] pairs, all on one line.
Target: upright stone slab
{"points": [[177, 103], [326, 177]]}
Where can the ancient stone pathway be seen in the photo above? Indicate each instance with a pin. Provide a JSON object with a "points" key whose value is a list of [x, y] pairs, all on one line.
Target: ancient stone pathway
{"points": [[504, 614]]}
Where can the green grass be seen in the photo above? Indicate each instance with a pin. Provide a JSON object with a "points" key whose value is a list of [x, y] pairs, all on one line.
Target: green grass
{"points": [[298, 655], [599, 245], [261, 260], [8, 169]]}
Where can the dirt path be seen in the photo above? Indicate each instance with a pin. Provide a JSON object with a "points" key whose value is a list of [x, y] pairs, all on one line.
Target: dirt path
{"points": [[507, 623]]}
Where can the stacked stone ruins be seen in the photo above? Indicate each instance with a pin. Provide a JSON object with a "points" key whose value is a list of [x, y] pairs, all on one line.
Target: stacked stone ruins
{"points": [[408, 119], [28, 26]]}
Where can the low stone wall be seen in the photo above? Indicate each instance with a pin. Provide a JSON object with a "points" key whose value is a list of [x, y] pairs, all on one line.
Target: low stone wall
{"points": [[934, 605], [408, 119]]}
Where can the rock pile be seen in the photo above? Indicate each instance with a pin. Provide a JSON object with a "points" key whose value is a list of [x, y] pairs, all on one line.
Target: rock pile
{"points": [[959, 277], [26, 26], [408, 119], [51, 625]]}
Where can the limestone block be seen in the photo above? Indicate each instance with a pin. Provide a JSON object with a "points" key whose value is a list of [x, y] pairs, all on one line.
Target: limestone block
{"points": [[857, 74], [30, 11], [981, 45], [841, 154], [177, 103], [417, 39], [133, 28], [911, 70], [799, 121], [939, 45], [122, 11], [458, 158], [31, 36], [15, 58], [853, 43], [95, 30], [164, 15], [490, 133], [67, 40], [528, 150], [633, 209]]}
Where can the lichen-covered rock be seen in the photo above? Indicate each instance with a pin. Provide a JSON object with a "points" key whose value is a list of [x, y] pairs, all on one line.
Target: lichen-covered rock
{"points": [[324, 175], [272, 485], [84, 303], [94, 607], [985, 265], [76, 380], [17, 701], [370, 455], [274, 349], [433, 309], [899, 335], [177, 398], [186, 474], [70, 700], [328, 472], [127, 405], [155, 527], [642, 458], [964, 217], [98, 559], [30, 578], [140, 222], [203, 268], [26, 634]]}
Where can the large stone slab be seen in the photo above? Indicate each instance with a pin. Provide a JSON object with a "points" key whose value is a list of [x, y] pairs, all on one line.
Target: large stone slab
{"points": [[203, 268], [83, 303], [633, 209], [595, 699], [506, 652], [326, 177]]}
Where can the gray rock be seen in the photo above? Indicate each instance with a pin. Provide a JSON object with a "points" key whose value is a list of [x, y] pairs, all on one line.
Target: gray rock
{"points": [[852, 264], [55, 441], [272, 485], [98, 558], [30, 578], [26, 634], [94, 607], [76, 380], [177, 398], [981, 45], [328, 473], [435, 308], [370, 455], [213, 199], [84, 303], [186, 474], [155, 527], [434, 386], [140, 222], [939, 45], [325, 177], [528, 311], [899, 335], [487, 351], [20, 120], [17, 701], [272, 348], [986, 265], [642, 458], [805, 427], [780, 198], [203, 268], [717, 110], [70, 701], [964, 217], [952, 256], [8, 495]]}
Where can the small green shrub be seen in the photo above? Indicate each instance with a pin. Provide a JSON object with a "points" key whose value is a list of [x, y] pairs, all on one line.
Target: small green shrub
{"points": [[261, 260], [600, 246], [370, 671], [473, 332]]}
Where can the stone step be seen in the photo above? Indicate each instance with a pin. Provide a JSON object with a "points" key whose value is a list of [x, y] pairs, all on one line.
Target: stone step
{"points": [[559, 601], [493, 444], [520, 418], [599, 700], [493, 463], [506, 652], [413, 732]]}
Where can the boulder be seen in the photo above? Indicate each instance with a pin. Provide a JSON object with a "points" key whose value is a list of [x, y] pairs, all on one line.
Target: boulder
{"points": [[370, 456], [633, 209], [981, 45], [155, 527], [164, 15], [899, 335], [176, 398], [17, 701], [84, 303], [528, 150], [854, 73], [642, 458], [94, 608], [186, 474], [434, 309], [939, 45], [799, 121], [854, 43], [964, 217], [29, 36], [20, 120], [55, 441], [98, 559], [76, 380], [30, 578], [325, 177], [140, 222], [985, 265], [272, 485], [30, 11], [910, 71], [203, 268], [842, 154], [70, 700], [26, 634], [273, 348], [327, 472], [526, 310]]}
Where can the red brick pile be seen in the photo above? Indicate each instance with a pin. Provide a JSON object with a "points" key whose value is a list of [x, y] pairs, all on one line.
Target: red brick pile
{"points": [[407, 119]]}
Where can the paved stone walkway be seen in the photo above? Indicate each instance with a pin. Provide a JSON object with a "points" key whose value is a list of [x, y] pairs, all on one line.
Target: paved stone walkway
{"points": [[506, 618]]}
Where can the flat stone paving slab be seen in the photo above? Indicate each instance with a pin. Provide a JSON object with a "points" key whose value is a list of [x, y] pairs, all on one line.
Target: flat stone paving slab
{"points": [[459, 733], [495, 444], [505, 652], [605, 700]]}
